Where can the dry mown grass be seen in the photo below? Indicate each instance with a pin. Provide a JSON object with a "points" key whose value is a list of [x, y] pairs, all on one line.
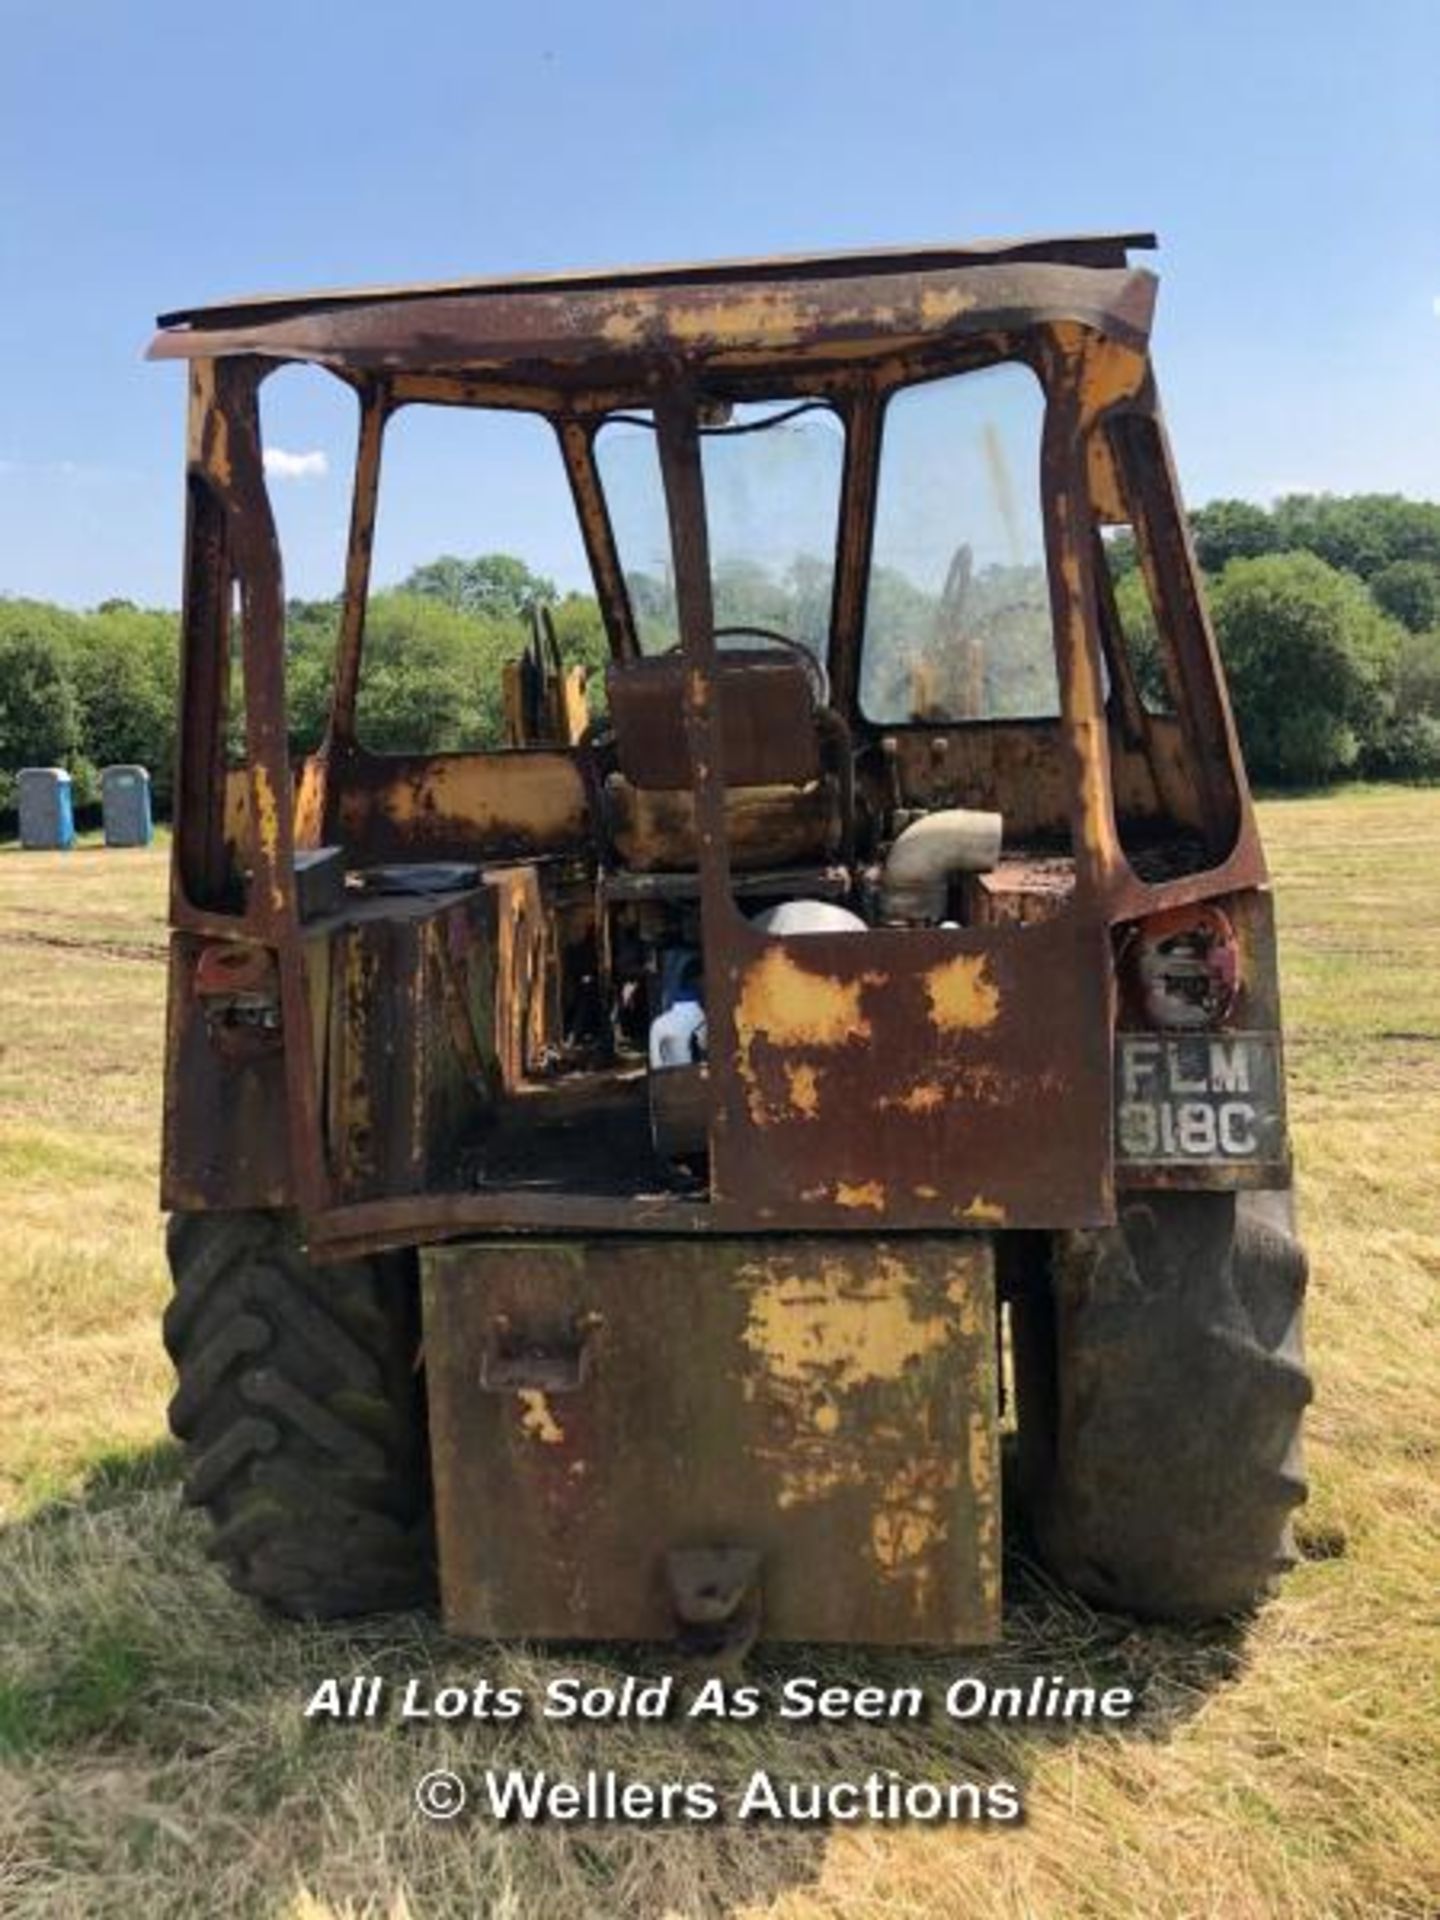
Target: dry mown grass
{"points": [[156, 1760]]}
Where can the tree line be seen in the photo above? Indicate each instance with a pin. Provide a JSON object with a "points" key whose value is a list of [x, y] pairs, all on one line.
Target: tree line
{"points": [[1327, 610]]}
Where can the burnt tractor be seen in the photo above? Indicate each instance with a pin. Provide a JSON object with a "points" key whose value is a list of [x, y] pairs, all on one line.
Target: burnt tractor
{"points": [[633, 1171]]}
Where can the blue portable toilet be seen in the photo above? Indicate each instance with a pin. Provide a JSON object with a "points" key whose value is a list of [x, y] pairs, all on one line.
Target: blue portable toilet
{"points": [[125, 805], [47, 814]]}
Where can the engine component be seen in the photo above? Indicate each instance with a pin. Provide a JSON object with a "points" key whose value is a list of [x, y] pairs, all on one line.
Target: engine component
{"points": [[808, 916], [928, 854]]}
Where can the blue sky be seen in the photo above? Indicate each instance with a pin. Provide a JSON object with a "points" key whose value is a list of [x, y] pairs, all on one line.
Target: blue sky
{"points": [[154, 155]]}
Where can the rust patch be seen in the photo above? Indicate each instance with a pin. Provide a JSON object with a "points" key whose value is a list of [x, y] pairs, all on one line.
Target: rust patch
{"points": [[962, 993]]}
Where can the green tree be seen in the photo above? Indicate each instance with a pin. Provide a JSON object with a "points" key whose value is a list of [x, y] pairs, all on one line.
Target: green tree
{"points": [[430, 679], [494, 583], [1227, 530], [312, 629], [1142, 641], [39, 711], [1409, 591], [580, 630], [1311, 663], [1358, 532], [124, 662], [1408, 746]]}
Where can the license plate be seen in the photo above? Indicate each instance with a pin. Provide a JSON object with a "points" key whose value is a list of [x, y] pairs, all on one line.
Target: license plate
{"points": [[1188, 1099]]}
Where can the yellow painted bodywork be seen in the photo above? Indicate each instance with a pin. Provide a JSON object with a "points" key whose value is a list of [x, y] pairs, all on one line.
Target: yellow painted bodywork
{"points": [[962, 994], [791, 1006], [536, 1418], [829, 1331]]}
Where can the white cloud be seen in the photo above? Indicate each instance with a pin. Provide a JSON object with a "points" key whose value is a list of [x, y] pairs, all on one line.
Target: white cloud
{"points": [[281, 465], [1435, 304]]}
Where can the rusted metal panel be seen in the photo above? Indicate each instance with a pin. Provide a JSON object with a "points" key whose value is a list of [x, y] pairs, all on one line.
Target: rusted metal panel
{"points": [[224, 1141], [523, 803], [1015, 767], [767, 709], [770, 827], [437, 1009], [912, 1078], [828, 1404]]}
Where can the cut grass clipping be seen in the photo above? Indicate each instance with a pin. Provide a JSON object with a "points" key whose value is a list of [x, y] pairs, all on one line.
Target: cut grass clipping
{"points": [[154, 1756]]}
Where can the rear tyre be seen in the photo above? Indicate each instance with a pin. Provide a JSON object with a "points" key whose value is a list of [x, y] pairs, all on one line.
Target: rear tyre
{"points": [[1161, 1384], [302, 1411]]}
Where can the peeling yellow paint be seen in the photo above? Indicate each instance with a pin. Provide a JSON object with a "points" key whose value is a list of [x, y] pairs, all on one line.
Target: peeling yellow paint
{"points": [[868, 1193], [267, 827], [537, 1419], [827, 1416], [624, 328], [986, 1213], [804, 1087], [803, 1478], [980, 1462], [962, 993], [966, 1301], [924, 1097], [901, 1534], [827, 1333], [926, 1193], [911, 1522], [764, 318], [792, 1006], [940, 305]]}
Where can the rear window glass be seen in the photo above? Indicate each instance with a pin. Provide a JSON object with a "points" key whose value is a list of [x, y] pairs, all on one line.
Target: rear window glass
{"points": [[958, 623]]}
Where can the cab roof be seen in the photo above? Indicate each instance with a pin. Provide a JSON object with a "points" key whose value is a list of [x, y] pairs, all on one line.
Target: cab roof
{"points": [[793, 303]]}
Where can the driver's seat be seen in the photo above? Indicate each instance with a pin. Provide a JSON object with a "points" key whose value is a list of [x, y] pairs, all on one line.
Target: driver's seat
{"points": [[787, 766]]}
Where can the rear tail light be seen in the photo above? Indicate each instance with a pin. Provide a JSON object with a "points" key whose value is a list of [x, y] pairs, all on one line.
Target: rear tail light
{"points": [[1183, 967]]}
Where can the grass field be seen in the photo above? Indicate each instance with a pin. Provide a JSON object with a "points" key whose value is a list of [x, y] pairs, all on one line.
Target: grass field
{"points": [[154, 1759]]}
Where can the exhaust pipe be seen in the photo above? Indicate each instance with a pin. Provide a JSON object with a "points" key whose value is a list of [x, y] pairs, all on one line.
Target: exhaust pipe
{"points": [[924, 858]]}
